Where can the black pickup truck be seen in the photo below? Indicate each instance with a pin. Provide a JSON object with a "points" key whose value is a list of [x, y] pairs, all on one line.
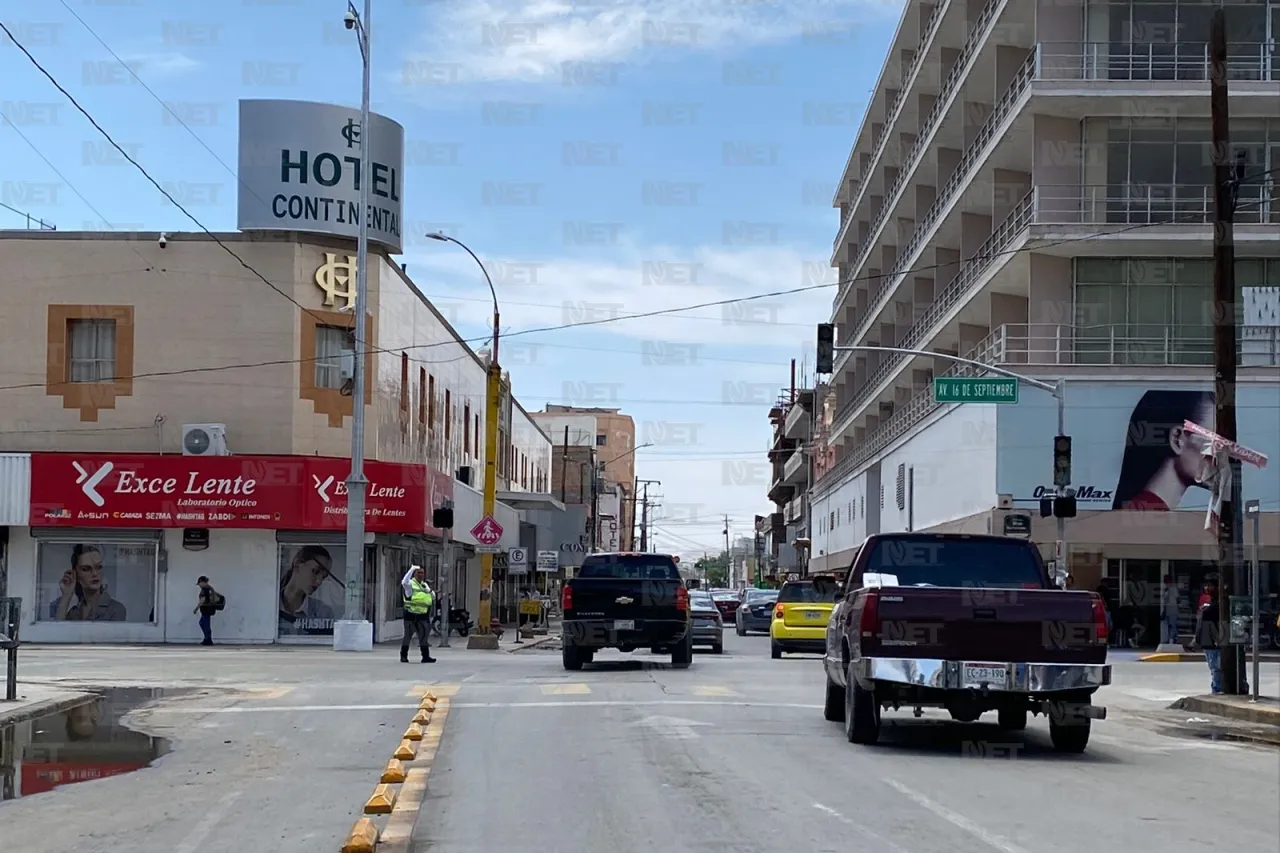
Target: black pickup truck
{"points": [[626, 601]]}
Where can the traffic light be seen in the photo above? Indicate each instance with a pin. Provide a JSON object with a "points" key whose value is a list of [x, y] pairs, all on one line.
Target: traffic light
{"points": [[826, 348], [1062, 461], [442, 518]]}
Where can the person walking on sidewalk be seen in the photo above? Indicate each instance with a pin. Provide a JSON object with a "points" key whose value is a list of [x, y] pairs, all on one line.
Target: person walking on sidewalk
{"points": [[208, 603], [418, 599]]}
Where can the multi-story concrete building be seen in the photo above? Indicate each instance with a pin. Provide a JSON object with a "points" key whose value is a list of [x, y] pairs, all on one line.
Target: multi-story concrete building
{"points": [[793, 453], [222, 354], [1031, 187], [613, 434]]}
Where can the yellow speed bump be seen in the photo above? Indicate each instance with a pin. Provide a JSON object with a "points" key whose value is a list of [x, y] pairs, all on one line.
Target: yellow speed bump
{"points": [[429, 697], [407, 751], [422, 718], [414, 732], [393, 773], [382, 801], [427, 705], [363, 837]]}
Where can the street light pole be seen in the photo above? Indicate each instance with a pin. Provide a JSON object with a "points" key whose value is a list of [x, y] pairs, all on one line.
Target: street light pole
{"points": [[483, 638], [1058, 389], [354, 632]]}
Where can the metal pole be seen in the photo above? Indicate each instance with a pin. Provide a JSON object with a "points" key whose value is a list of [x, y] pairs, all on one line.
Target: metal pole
{"points": [[1231, 574], [1061, 557], [445, 571], [1254, 509], [357, 633]]}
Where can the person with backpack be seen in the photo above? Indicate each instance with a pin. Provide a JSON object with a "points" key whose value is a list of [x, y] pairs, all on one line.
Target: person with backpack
{"points": [[209, 603]]}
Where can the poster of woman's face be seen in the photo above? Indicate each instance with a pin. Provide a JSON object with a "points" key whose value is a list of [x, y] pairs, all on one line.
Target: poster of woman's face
{"points": [[312, 594], [1162, 460], [96, 582]]}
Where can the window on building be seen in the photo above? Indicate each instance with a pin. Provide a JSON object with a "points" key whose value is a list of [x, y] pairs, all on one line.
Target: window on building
{"points": [[91, 346], [601, 439], [479, 443], [431, 402], [404, 384], [448, 415], [333, 352], [422, 397], [466, 428]]}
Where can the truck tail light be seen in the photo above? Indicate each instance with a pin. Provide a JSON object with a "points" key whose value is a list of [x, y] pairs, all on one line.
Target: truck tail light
{"points": [[566, 599], [682, 598], [1101, 634], [869, 622]]}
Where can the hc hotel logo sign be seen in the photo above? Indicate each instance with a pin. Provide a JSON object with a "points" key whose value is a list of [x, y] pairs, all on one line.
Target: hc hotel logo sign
{"points": [[337, 279]]}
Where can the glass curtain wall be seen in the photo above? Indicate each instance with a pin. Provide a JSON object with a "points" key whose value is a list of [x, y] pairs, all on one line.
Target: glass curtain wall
{"points": [[1161, 170], [1153, 310], [1168, 39]]}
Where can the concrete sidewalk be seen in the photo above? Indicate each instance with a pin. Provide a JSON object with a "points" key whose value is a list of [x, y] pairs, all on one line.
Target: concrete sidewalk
{"points": [[37, 700], [1266, 711]]}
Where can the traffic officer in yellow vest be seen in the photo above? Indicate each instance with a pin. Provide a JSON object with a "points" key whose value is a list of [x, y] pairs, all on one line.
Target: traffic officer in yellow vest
{"points": [[418, 599]]}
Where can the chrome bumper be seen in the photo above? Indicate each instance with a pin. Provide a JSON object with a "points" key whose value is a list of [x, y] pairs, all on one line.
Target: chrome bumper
{"points": [[1018, 677]]}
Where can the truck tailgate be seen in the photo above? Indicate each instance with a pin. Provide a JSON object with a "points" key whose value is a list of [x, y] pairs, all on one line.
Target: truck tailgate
{"points": [[625, 598], [1013, 625]]}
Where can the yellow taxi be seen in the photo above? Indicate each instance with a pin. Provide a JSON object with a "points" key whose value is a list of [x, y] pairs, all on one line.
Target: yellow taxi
{"points": [[800, 616]]}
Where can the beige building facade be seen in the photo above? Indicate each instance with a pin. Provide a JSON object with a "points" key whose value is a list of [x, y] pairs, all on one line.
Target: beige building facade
{"points": [[613, 434]]}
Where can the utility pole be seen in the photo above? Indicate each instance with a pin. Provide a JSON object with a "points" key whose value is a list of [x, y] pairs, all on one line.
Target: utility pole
{"points": [[728, 553], [1227, 174], [642, 492], [564, 468]]}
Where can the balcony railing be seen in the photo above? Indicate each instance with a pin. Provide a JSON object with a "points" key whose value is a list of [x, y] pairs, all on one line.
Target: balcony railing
{"points": [[956, 292], [1177, 61], [1151, 204], [1169, 345], [791, 468], [1050, 61], [1050, 345], [963, 172], [894, 108]]}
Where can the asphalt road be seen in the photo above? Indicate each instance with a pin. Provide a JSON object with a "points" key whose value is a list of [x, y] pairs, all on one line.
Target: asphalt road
{"points": [[733, 755]]}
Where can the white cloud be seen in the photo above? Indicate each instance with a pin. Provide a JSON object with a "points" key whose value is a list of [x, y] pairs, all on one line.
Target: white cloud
{"points": [[536, 293], [530, 40], [152, 65]]}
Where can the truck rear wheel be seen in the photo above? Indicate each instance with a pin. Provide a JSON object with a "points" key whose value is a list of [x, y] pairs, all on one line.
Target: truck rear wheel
{"points": [[571, 656], [861, 712], [682, 652], [1068, 728]]}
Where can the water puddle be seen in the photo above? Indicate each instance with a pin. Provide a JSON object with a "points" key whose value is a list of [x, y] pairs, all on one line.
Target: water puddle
{"points": [[80, 744]]}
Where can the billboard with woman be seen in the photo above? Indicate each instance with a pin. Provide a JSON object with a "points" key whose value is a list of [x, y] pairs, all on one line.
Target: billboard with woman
{"points": [[1130, 451], [312, 590], [96, 582]]}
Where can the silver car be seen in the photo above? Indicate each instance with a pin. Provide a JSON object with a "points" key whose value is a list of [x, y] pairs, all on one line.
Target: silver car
{"points": [[708, 626]]}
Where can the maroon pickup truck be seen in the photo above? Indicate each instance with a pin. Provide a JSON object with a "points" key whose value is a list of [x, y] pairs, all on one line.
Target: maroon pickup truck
{"points": [[967, 623]]}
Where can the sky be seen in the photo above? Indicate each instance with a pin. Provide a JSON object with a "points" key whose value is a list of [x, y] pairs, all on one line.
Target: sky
{"points": [[603, 158]]}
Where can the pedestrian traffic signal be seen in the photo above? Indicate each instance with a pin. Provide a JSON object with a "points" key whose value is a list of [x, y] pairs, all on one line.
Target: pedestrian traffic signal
{"points": [[826, 348], [1062, 461]]}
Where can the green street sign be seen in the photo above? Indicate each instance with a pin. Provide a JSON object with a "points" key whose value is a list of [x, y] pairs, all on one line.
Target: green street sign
{"points": [[975, 389]]}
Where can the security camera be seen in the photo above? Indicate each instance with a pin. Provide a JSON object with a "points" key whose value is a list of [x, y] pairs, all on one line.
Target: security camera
{"points": [[164, 240], [349, 20]]}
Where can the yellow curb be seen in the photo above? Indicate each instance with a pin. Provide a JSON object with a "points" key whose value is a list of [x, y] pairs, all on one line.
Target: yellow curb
{"points": [[394, 772], [398, 834], [1161, 657], [363, 837], [414, 732], [407, 751], [383, 799], [422, 718]]}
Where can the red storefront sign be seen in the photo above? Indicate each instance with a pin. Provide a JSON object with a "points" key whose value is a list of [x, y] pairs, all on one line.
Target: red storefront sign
{"points": [[247, 492]]}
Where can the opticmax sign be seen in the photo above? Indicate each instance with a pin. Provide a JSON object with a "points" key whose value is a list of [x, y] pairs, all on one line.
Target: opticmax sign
{"points": [[247, 492], [300, 171]]}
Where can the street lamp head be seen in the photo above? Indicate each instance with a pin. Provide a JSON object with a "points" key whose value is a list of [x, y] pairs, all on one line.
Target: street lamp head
{"points": [[436, 235]]}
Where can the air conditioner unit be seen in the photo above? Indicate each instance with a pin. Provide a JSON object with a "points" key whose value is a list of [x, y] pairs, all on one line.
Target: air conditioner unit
{"points": [[1005, 501], [204, 440]]}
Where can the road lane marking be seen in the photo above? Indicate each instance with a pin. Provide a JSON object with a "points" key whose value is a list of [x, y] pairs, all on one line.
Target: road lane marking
{"points": [[441, 691], [207, 824], [857, 827], [566, 703], [269, 693], [713, 690], [564, 689], [957, 820]]}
